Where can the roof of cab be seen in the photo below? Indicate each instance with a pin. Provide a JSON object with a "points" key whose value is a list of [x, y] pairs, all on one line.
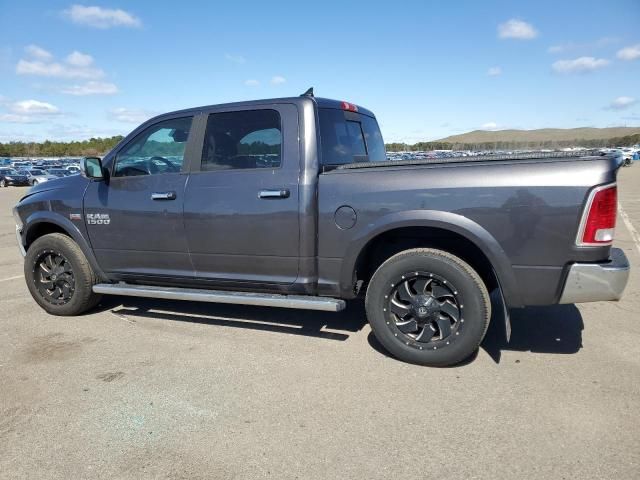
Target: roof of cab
{"points": [[320, 102]]}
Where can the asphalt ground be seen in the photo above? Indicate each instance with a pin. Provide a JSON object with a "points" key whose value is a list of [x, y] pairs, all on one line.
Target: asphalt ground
{"points": [[157, 389]]}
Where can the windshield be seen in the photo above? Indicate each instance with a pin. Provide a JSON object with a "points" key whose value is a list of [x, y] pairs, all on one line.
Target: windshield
{"points": [[349, 137], [8, 171], [37, 172]]}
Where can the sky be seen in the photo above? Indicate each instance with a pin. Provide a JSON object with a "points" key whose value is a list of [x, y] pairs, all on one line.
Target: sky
{"points": [[428, 69]]}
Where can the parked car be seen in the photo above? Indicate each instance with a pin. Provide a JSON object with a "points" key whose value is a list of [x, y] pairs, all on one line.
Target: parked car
{"points": [[73, 169], [59, 172], [17, 165], [10, 176], [203, 216], [37, 175]]}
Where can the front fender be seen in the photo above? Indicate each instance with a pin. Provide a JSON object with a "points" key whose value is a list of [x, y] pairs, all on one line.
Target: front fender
{"points": [[51, 217], [449, 221]]}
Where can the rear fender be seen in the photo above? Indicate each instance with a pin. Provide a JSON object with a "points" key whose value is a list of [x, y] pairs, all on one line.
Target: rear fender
{"points": [[446, 221]]}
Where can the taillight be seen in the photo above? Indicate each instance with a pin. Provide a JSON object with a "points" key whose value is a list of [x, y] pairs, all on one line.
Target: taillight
{"points": [[350, 107], [599, 218]]}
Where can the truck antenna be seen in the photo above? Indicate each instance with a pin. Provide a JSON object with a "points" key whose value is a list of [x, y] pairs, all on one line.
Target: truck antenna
{"points": [[308, 93]]}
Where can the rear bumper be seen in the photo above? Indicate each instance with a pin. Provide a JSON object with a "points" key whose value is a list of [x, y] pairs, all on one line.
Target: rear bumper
{"points": [[594, 282]]}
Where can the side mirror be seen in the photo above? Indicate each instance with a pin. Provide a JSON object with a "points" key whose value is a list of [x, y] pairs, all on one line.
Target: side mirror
{"points": [[91, 167]]}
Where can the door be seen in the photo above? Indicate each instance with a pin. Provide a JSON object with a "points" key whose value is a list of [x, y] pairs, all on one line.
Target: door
{"points": [[241, 201], [135, 221]]}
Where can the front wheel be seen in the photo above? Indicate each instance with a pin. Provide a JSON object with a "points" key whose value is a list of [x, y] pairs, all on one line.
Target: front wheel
{"points": [[59, 277], [3, 183], [428, 307]]}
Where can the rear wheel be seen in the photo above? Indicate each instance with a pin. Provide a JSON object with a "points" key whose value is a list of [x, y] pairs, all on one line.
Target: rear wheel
{"points": [[59, 277], [428, 307]]}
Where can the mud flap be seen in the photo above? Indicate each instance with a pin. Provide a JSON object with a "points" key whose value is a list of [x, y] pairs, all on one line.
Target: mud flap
{"points": [[507, 318], [499, 308]]}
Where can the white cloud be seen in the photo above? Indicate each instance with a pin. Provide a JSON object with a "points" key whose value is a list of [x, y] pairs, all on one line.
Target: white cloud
{"points": [[629, 53], [235, 58], [278, 80], [31, 107], [489, 126], [78, 59], [579, 65], [28, 111], [621, 103], [130, 115], [569, 46], [252, 83], [494, 71], [76, 65], [13, 118], [99, 17], [91, 88], [57, 70], [517, 29], [38, 52]]}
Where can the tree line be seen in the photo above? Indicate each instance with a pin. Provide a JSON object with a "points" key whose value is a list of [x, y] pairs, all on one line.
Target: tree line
{"points": [[100, 146], [93, 146]]}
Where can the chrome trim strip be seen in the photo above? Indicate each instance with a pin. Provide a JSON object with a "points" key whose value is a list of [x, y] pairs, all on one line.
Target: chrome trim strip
{"points": [[594, 282], [218, 296], [585, 214]]}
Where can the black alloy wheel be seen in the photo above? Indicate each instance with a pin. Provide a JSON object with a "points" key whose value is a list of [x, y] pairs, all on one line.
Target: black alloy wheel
{"points": [[424, 309], [54, 278]]}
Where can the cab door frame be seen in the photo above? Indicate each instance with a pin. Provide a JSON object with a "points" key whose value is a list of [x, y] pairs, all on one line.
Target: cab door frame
{"points": [[234, 265], [164, 256]]}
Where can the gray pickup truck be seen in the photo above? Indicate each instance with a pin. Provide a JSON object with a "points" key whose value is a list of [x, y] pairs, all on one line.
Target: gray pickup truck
{"points": [[292, 203]]}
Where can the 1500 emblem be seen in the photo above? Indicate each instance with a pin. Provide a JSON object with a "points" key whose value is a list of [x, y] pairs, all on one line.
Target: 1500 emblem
{"points": [[98, 219]]}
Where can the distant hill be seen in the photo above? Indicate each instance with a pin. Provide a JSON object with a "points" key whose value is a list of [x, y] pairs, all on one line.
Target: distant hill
{"points": [[544, 138], [543, 135]]}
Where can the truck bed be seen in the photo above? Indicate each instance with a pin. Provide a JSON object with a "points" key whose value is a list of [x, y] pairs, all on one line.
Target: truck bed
{"points": [[544, 156]]}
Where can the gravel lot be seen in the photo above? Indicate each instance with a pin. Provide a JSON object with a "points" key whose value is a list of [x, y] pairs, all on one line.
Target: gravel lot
{"points": [[159, 389]]}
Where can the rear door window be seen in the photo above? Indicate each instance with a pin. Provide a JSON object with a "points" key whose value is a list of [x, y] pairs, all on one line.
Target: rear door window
{"points": [[244, 139], [349, 137]]}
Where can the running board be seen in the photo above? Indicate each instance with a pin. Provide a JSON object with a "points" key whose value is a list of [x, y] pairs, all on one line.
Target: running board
{"points": [[219, 296]]}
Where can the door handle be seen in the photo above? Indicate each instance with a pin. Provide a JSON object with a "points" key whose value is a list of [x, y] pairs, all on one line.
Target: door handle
{"points": [[282, 193], [163, 196]]}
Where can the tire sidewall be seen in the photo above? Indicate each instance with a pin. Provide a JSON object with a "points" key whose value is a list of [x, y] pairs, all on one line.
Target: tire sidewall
{"points": [[472, 296]]}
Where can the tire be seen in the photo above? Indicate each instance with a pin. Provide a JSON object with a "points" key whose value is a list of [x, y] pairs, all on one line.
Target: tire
{"points": [[3, 183], [428, 307], [34, 183], [67, 287]]}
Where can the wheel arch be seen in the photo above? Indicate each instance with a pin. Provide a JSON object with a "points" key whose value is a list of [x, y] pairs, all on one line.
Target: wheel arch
{"points": [[44, 222], [424, 228]]}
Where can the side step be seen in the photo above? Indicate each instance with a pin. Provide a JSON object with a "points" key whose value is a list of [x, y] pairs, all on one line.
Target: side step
{"points": [[220, 296]]}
